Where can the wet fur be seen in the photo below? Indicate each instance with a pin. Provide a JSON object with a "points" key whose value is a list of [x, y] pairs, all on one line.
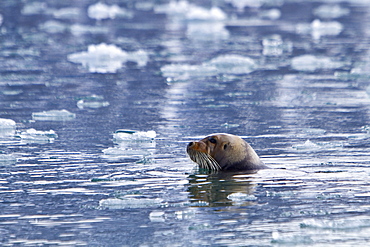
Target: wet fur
{"points": [[228, 153]]}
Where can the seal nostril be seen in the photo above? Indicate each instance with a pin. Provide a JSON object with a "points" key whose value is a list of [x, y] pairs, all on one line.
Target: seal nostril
{"points": [[190, 144]]}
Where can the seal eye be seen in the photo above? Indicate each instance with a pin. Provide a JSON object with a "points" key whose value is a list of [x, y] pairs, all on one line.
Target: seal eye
{"points": [[212, 140]]}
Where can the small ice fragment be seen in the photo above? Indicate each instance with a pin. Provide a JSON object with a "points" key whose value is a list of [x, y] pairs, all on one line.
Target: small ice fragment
{"points": [[312, 63], [133, 135], [272, 14], [308, 145], [7, 127], [7, 159], [115, 203], [93, 101], [105, 58], [53, 27], [241, 4], [331, 11], [237, 197], [78, 29], [233, 64], [100, 11], [1, 19], [36, 136], [12, 92], [186, 71], [207, 31], [318, 28], [157, 216], [67, 13], [53, 115], [33, 8], [187, 11]]}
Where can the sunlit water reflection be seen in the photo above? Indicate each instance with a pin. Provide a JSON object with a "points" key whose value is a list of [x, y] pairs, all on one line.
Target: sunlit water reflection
{"points": [[288, 76]]}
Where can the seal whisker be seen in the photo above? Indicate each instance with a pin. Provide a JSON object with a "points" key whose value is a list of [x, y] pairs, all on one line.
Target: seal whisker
{"points": [[204, 160]]}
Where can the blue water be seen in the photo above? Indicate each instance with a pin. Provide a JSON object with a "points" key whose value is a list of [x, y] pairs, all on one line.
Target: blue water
{"points": [[290, 77]]}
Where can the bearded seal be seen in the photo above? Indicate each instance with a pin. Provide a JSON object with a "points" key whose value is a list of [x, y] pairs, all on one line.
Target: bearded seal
{"points": [[224, 152]]}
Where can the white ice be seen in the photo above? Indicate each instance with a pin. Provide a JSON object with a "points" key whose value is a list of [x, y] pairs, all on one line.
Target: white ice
{"points": [[327, 11], [104, 58], [320, 28], [223, 64], [7, 127], [100, 11], [93, 101], [183, 10], [115, 203], [133, 135], [37, 136], [53, 115], [312, 63], [241, 4]]}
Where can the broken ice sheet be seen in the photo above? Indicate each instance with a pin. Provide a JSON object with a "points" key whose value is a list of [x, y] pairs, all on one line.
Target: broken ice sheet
{"points": [[312, 63], [7, 127], [53, 115], [37, 136], [93, 101], [100, 11], [104, 58], [133, 135], [228, 64], [183, 10]]}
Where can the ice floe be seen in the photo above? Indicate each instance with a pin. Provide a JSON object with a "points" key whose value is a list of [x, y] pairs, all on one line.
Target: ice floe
{"points": [[224, 64], [7, 159], [133, 135], [100, 11], [328, 11], [320, 28], [93, 101], [53, 115], [7, 127], [274, 45], [184, 10], [104, 58], [312, 63], [241, 4], [37, 136], [116, 203], [131, 144]]}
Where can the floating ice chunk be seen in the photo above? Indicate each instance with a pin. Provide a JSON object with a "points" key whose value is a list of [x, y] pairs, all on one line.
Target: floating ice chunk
{"points": [[67, 13], [291, 240], [54, 115], [157, 216], [233, 64], [7, 127], [224, 64], [115, 203], [238, 196], [241, 4], [7, 159], [105, 58], [12, 91], [1, 19], [93, 101], [312, 63], [207, 31], [32, 8], [331, 11], [274, 46], [308, 145], [133, 135], [187, 11], [272, 14], [100, 11], [77, 29], [53, 27], [36, 136], [318, 28], [186, 71]]}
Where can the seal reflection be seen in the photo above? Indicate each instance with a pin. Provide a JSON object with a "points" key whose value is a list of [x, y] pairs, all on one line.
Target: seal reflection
{"points": [[215, 188]]}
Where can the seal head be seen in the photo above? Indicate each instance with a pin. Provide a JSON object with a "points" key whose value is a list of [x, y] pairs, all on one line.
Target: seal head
{"points": [[224, 152]]}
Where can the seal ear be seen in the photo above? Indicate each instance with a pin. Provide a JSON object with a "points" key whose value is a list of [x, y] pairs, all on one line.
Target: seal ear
{"points": [[225, 145]]}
